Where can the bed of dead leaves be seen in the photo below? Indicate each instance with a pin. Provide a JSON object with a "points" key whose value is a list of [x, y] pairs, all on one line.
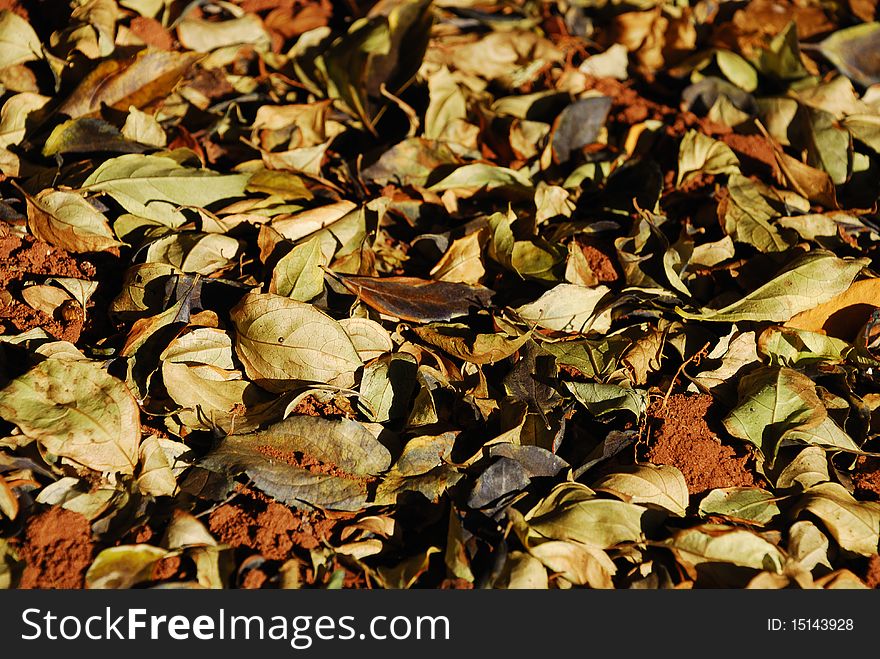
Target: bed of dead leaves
{"points": [[453, 294]]}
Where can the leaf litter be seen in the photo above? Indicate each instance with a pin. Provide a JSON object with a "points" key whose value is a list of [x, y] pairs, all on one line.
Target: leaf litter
{"points": [[305, 294]]}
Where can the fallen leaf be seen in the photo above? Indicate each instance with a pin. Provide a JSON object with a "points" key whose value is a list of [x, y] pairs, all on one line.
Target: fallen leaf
{"points": [[67, 221], [306, 460], [78, 411], [417, 300], [120, 84], [843, 315], [282, 342]]}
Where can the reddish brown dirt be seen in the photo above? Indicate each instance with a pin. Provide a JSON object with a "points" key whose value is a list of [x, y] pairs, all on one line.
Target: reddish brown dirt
{"points": [[141, 535], [872, 578], [573, 374], [866, 478], [628, 106], [456, 584], [21, 257], [697, 181], [254, 579], [151, 32], [28, 256], [311, 406], [755, 152], [681, 437], [256, 522], [57, 550], [297, 459], [601, 264], [15, 314], [167, 568], [15, 7]]}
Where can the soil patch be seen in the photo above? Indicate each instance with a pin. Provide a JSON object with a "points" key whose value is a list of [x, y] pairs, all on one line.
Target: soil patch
{"points": [[57, 550], [601, 264], [256, 522], [627, 105], [167, 568], [151, 32], [20, 316], [311, 406], [872, 578], [755, 153], [696, 182], [456, 584], [681, 438], [307, 462], [25, 256], [866, 478], [254, 579]]}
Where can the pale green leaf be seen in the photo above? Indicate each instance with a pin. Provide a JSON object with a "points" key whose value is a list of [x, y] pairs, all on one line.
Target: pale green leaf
{"points": [[568, 308], [281, 341], [806, 282], [298, 274], [700, 154], [573, 512], [75, 409], [154, 186], [718, 544], [123, 566], [854, 525], [653, 485], [773, 402], [749, 504]]}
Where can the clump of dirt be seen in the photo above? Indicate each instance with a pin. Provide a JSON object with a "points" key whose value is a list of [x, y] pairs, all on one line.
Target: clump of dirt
{"points": [[21, 317], [166, 568], [311, 406], [696, 182], [21, 255], [872, 578], [755, 152], [627, 105], [270, 528], [24, 256], [57, 550], [456, 584], [601, 264], [866, 478], [151, 32], [254, 579], [141, 535], [309, 463], [681, 438]]}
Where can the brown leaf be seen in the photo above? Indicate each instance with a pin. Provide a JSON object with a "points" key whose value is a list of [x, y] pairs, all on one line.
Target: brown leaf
{"points": [[416, 300], [137, 81], [843, 315], [814, 184]]}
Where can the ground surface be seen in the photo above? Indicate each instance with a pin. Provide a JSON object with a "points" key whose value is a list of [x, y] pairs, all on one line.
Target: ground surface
{"points": [[455, 295]]}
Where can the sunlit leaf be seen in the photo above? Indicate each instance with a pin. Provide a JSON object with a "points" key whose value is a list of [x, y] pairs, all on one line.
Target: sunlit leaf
{"points": [[76, 410]]}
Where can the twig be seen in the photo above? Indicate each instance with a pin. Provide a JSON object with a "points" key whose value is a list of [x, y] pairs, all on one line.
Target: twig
{"points": [[699, 353]]}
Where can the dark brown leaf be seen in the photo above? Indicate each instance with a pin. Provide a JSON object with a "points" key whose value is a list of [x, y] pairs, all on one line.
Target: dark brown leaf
{"points": [[417, 300]]}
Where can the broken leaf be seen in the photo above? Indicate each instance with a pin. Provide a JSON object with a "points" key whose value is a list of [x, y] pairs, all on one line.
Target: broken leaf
{"points": [[78, 411], [308, 460]]}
